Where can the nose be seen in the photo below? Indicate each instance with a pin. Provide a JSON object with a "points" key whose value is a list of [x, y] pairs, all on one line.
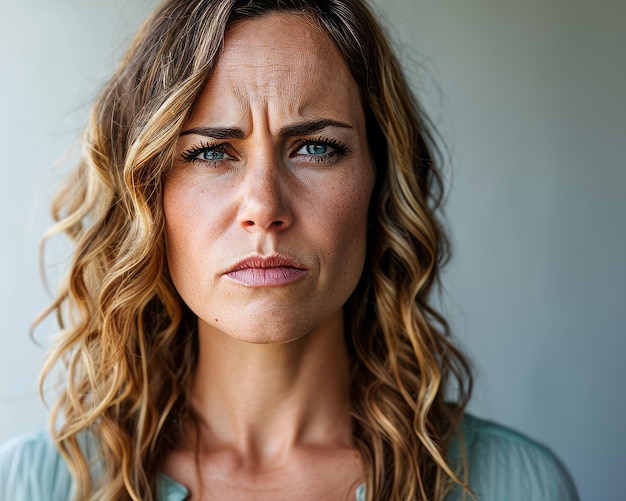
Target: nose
{"points": [[265, 205]]}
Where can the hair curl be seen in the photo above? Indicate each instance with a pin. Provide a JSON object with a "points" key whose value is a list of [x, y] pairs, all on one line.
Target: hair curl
{"points": [[127, 341]]}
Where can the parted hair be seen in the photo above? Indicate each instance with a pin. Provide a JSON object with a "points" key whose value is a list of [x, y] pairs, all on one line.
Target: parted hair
{"points": [[127, 344]]}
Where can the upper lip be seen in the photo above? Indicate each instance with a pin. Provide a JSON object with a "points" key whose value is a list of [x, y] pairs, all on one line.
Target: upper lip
{"points": [[269, 261]]}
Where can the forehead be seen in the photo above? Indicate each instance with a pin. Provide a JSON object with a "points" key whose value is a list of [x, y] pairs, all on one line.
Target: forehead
{"points": [[281, 61], [278, 31]]}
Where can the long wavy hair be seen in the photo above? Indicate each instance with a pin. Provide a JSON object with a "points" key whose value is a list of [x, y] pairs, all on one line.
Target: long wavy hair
{"points": [[128, 344]]}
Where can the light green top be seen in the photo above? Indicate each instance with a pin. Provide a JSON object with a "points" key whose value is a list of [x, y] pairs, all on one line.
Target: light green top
{"points": [[503, 465]]}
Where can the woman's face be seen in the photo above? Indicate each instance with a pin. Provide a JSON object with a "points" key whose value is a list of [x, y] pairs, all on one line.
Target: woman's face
{"points": [[266, 205]]}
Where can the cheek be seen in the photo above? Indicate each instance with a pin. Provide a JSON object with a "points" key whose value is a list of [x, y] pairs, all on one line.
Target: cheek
{"points": [[192, 209], [176, 248], [184, 216], [354, 198], [346, 219], [176, 208]]}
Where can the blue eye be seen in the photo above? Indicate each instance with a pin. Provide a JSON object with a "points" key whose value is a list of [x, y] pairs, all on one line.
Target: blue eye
{"points": [[316, 149], [319, 150], [211, 155]]}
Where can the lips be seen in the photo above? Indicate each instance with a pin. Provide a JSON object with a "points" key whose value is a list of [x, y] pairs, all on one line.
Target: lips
{"points": [[266, 271]]}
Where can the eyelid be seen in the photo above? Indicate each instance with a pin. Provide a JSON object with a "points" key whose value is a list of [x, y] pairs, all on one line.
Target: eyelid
{"points": [[190, 154], [339, 146], [337, 150]]}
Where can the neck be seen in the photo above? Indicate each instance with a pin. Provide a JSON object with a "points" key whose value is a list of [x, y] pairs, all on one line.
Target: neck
{"points": [[265, 400]]}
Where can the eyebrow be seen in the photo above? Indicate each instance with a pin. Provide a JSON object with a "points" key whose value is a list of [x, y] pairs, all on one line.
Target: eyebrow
{"points": [[298, 129], [216, 132], [311, 127]]}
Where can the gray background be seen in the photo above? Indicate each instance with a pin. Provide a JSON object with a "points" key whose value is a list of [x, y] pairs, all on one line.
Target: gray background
{"points": [[530, 99]]}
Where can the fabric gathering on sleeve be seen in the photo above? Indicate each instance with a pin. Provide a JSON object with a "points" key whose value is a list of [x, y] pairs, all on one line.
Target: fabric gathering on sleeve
{"points": [[504, 465], [31, 469]]}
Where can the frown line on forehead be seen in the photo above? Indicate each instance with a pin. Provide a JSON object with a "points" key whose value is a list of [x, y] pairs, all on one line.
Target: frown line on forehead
{"points": [[292, 130]]}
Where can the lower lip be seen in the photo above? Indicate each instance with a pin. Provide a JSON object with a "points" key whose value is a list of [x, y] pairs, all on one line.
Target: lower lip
{"points": [[266, 277]]}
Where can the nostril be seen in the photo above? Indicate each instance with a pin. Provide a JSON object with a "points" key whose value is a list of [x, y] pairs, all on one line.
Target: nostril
{"points": [[277, 223], [248, 223]]}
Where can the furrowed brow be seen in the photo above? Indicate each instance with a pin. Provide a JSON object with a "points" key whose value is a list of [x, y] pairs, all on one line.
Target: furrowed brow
{"points": [[307, 128], [294, 130], [216, 132]]}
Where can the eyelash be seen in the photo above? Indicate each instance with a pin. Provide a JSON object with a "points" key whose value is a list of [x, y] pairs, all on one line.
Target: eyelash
{"points": [[339, 149], [191, 154]]}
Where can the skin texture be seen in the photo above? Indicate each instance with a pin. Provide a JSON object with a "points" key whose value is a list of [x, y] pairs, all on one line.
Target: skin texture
{"points": [[271, 387]]}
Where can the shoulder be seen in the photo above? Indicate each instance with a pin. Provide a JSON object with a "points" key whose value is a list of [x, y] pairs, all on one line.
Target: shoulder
{"points": [[504, 464], [32, 469]]}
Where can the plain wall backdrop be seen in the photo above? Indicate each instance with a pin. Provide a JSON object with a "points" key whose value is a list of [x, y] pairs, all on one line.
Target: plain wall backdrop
{"points": [[530, 99]]}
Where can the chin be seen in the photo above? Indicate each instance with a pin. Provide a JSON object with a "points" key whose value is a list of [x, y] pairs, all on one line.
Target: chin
{"points": [[267, 338], [276, 328], [262, 330]]}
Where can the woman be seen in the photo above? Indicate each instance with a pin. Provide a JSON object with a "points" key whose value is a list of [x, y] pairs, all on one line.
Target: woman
{"points": [[246, 314]]}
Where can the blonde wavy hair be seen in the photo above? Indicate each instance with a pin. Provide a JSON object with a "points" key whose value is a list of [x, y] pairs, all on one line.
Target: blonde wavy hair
{"points": [[128, 343]]}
